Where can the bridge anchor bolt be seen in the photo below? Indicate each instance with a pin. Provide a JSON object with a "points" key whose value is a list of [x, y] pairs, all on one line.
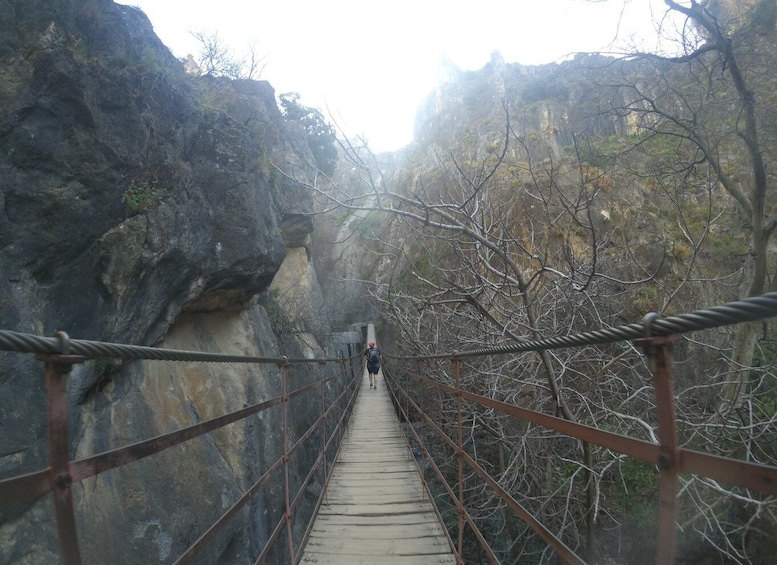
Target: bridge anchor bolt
{"points": [[665, 461], [64, 480]]}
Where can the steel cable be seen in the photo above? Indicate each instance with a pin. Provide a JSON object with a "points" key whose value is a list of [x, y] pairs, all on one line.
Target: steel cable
{"points": [[747, 310], [28, 343]]}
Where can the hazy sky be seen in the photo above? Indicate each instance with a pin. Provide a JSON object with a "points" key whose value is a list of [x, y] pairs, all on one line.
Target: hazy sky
{"points": [[369, 64]]}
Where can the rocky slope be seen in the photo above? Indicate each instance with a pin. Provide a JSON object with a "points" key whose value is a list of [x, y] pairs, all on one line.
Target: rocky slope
{"points": [[141, 206]]}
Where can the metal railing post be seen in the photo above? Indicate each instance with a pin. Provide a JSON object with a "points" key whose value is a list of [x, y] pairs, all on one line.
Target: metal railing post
{"points": [[324, 438], [57, 369], [659, 352], [460, 455], [409, 419], [287, 487], [422, 389]]}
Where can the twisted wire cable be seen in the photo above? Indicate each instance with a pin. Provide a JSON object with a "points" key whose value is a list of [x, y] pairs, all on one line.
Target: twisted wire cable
{"points": [[747, 310], [28, 343]]}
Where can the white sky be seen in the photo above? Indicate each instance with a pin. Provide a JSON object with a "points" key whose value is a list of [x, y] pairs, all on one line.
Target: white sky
{"points": [[369, 64]]}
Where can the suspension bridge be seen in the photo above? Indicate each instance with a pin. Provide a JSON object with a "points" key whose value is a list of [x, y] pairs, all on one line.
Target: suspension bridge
{"points": [[376, 496], [376, 505]]}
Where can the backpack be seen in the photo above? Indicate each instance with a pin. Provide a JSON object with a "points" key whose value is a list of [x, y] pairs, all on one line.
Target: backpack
{"points": [[374, 356]]}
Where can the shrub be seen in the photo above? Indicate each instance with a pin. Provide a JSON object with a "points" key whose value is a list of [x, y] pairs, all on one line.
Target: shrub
{"points": [[141, 197]]}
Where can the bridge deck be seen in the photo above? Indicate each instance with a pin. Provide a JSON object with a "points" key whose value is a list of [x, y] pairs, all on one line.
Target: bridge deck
{"points": [[376, 511]]}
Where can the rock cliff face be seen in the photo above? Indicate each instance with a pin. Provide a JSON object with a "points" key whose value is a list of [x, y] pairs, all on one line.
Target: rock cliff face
{"points": [[140, 206]]}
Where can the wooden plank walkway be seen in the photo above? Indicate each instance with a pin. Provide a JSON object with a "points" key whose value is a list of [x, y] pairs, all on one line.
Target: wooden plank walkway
{"points": [[376, 511]]}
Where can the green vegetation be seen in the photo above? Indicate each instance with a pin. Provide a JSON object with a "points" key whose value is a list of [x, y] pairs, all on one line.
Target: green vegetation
{"points": [[545, 89], [141, 197], [639, 482], [275, 315], [273, 176], [602, 151], [320, 135], [371, 227]]}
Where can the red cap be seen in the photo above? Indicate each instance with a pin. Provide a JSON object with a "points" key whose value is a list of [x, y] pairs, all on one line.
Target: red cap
{"points": [[372, 344]]}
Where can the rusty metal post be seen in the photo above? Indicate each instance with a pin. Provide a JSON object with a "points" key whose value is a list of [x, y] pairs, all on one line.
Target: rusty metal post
{"points": [[659, 352], [57, 369], [460, 454], [424, 400], [287, 488], [324, 438], [414, 388], [420, 397]]}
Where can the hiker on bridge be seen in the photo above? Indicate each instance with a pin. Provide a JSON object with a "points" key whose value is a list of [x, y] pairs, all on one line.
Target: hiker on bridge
{"points": [[372, 360]]}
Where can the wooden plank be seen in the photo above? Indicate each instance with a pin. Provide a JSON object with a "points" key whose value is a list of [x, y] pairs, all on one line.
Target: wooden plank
{"points": [[414, 520], [386, 528], [365, 546], [377, 467], [372, 559], [375, 499], [368, 490], [362, 509], [357, 479]]}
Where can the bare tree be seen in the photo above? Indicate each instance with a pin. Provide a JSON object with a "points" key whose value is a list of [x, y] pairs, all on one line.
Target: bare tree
{"points": [[707, 101], [217, 59], [714, 105], [476, 265]]}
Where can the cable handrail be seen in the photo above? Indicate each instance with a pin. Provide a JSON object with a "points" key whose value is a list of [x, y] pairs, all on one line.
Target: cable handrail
{"points": [[62, 345], [747, 310]]}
